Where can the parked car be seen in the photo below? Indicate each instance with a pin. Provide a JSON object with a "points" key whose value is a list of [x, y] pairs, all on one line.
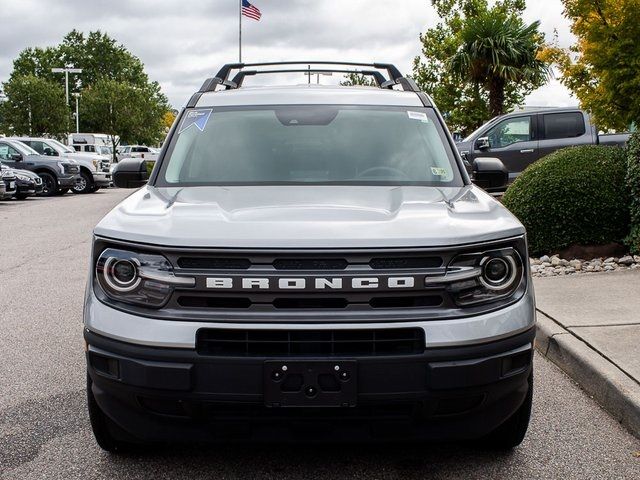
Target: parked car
{"points": [[138, 151], [58, 174], [520, 138], [8, 179], [28, 183], [308, 255], [98, 143], [94, 168]]}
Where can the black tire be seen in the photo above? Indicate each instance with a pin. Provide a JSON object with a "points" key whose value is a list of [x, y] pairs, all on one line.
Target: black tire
{"points": [[511, 433], [85, 184], [103, 427], [49, 184]]}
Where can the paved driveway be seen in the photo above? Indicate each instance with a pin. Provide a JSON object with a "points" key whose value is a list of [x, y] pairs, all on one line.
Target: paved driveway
{"points": [[44, 431]]}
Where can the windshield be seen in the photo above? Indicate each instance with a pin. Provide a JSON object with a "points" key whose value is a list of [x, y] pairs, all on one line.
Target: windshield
{"points": [[23, 148], [309, 145], [62, 147], [102, 150]]}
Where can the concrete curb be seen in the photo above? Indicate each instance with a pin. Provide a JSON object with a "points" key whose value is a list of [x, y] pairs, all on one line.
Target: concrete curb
{"points": [[610, 387]]}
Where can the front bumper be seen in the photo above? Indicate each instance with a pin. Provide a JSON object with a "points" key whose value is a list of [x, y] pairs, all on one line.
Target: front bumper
{"points": [[10, 189], [67, 181], [177, 395], [102, 179]]}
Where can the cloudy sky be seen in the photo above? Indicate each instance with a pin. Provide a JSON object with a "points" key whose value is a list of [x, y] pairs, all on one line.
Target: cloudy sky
{"points": [[181, 42]]}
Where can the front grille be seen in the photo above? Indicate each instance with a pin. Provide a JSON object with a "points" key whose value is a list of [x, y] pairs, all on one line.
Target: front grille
{"points": [[314, 302], [71, 169], [291, 343], [232, 268]]}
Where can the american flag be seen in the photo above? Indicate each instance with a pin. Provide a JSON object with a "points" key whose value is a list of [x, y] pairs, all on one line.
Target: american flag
{"points": [[250, 11]]}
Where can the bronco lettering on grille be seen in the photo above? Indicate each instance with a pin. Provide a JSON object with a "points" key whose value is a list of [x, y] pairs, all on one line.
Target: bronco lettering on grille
{"points": [[317, 283]]}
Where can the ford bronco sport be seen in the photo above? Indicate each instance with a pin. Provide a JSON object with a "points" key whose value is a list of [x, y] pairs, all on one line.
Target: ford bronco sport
{"points": [[310, 263]]}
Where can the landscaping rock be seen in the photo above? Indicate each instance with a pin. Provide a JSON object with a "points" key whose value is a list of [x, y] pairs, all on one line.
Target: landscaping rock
{"points": [[626, 260], [555, 265]]}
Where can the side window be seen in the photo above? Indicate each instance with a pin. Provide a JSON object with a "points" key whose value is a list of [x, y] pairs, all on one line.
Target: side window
{"points": [[7, 151], [77, 148], [563, 125], [37, 146], [91, 148], [510, 131], [4, 151]]}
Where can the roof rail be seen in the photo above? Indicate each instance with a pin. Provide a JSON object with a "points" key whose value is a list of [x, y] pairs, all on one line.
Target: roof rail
{"points": [[222, 77], [239, 78]]}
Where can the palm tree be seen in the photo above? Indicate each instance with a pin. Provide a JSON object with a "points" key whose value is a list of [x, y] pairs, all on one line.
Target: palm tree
{"points": [[498, 48]]}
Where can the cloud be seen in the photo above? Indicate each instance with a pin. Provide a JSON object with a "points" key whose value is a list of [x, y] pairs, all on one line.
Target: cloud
{"points": [[183, 42]]}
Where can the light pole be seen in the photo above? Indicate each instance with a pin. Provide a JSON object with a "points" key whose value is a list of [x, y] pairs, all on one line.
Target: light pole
{"points": [[77, 97], [66, 71]]}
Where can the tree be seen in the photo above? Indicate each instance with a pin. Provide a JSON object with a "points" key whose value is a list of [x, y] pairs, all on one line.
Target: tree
{"points": [[463, 102], [603, 68], [34, 106], [352, 79], [104, 64], [498, 48], [99, 56], [121, 109]]}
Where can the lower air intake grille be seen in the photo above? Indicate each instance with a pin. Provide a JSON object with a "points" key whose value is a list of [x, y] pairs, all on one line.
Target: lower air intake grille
{"points": [[289, 343]]}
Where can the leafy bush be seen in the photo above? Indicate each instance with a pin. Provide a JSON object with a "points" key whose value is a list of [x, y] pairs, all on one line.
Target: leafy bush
{"points": [[633, 183], [573, 196]]}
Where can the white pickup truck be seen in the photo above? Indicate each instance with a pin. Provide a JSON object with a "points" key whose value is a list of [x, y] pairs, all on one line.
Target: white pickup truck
{"points": [[94, 168]]}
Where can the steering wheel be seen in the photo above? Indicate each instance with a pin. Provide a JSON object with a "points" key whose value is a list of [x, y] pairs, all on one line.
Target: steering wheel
{"points": [[394, 171]]}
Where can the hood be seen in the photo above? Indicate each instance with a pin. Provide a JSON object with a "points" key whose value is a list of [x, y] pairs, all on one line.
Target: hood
{"points": [[26, 173], [309, 217], [85, 157]]}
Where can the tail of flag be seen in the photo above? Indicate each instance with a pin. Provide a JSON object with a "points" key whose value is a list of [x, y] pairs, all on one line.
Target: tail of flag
{"points": [[250, 11]]}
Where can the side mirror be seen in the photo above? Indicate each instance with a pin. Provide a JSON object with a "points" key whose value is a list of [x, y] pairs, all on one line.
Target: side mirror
{"points": [[490, 173], [483, 143], [16, 157], [130, 173]]}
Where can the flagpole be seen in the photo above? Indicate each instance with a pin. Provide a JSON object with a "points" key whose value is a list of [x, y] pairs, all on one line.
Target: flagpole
{"points": [[240, 31]]}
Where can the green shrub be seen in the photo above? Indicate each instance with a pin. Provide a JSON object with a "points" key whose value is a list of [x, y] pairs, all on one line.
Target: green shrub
{"points": [[633, 183], [573, 196]]}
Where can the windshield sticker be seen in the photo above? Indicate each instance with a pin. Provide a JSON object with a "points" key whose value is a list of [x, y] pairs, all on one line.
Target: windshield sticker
{"points": [[199, 118], [418, 116], [439, 171]]}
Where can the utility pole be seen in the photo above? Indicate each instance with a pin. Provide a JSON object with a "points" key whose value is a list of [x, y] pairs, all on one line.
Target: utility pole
{"points": [[77, 97], [66, 71]]}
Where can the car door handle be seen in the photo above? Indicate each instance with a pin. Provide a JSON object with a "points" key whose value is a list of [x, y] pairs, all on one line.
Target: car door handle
{"points": [[527, 150]]}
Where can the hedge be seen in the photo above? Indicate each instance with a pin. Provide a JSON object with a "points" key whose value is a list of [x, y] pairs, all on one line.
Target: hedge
{"points": [[577, 195], [633, 184]]}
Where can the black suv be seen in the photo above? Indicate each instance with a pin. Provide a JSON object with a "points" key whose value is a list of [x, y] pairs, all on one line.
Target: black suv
{"points": [[58, 176]]}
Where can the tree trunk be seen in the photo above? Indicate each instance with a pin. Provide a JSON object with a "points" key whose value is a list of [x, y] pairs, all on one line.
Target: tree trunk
{"points": [[496, 96]]}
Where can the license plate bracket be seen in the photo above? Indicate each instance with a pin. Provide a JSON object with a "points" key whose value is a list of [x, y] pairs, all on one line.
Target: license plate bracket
{"points": [[309, 383]]}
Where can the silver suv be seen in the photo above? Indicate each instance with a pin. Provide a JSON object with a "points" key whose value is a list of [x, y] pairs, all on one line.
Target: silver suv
{"points": [[310, 262]]}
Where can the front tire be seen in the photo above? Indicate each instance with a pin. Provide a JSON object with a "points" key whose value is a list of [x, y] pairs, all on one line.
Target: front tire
{"points": [[84, 184], [103, 427], [511, 433], [49, 184]]}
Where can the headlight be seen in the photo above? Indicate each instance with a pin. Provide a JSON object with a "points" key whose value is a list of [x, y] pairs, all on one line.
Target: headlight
{"points": [[485, 277], [61, 167], [137, 278], [96, 164], [24, 178]]}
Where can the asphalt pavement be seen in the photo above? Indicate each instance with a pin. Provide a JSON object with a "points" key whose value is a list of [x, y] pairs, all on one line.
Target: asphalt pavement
{"points": [[45, 433]]}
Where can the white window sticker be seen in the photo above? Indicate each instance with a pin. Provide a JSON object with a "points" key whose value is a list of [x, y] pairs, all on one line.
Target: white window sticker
{"points": [[418, 116], [439, 171]]}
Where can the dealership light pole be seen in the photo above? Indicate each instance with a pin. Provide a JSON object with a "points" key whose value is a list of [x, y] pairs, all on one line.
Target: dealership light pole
{"points": [[77, 97], [66, 71]]}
